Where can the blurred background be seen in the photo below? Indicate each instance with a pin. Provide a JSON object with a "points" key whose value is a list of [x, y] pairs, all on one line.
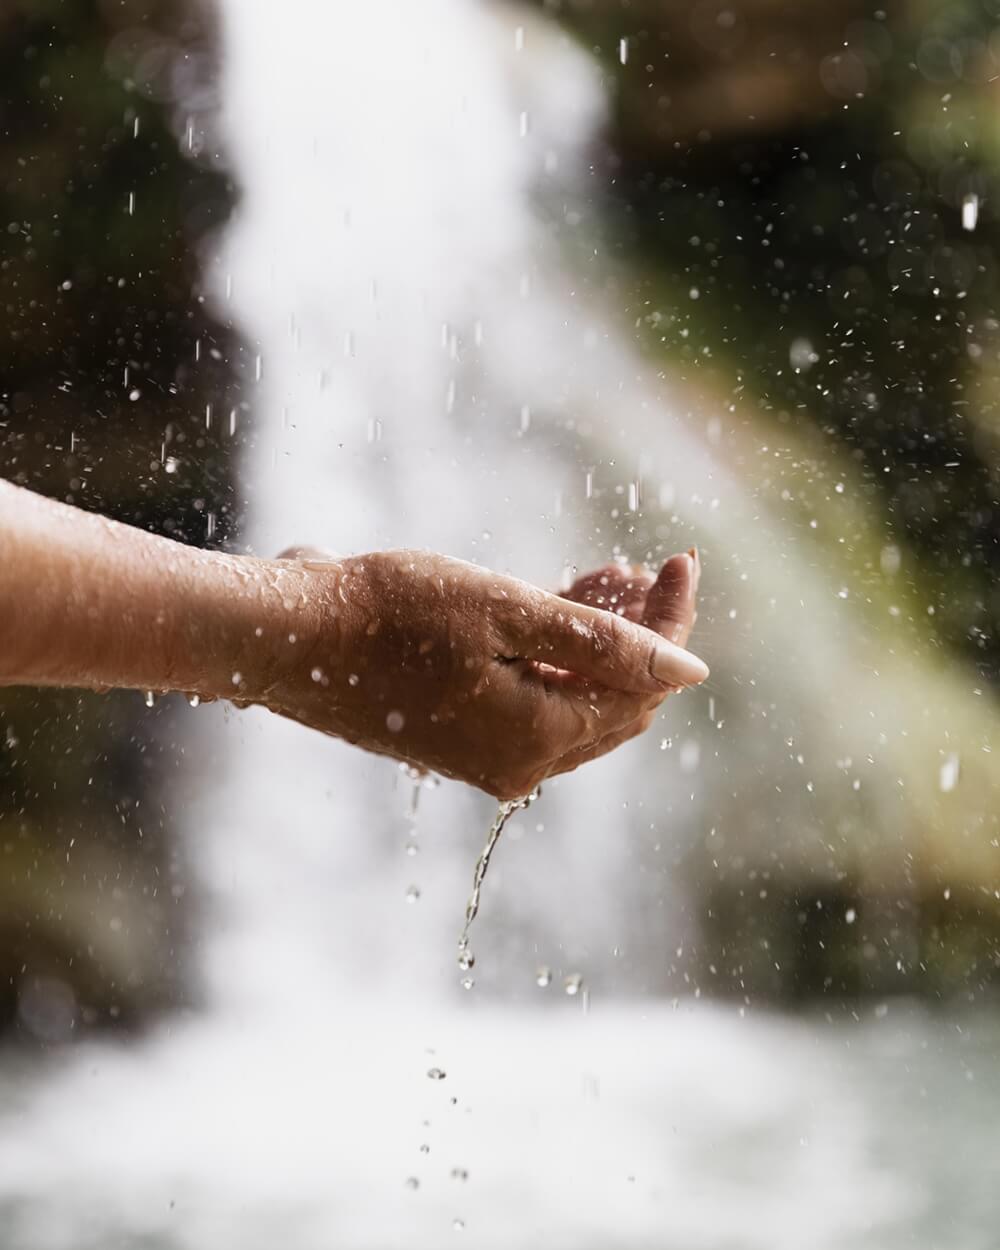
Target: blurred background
{"points": [[538, 286]]}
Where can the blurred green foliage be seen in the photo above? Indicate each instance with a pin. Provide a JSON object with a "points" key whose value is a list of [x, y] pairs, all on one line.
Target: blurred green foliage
{"points": [[806, 200]]}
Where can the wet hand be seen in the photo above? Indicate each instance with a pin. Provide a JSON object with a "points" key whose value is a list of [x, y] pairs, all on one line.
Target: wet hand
{"points": [[480, 676]]}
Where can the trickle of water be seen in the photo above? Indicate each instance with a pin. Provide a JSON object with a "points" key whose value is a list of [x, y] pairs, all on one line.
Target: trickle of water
{"points": [[543, 977], [504, 812]]}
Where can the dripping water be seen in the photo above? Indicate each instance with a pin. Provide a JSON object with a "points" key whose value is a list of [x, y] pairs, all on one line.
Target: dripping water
{"points": [[466, 959]]}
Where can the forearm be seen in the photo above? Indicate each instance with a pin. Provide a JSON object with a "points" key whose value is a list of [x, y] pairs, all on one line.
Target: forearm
{"points": [[88, 602]]}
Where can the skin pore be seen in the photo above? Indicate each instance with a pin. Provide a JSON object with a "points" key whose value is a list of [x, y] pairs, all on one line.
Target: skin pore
{"points": [[446, 665]]}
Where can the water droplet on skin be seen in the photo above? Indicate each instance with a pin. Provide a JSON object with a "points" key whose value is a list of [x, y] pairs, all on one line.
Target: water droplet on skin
{"points": [[573, 984], [436, 1074], [543, 978], [413, 894]]}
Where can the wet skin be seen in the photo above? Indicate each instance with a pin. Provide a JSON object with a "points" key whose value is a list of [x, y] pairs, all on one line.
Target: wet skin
{"points": [[434, 661]]}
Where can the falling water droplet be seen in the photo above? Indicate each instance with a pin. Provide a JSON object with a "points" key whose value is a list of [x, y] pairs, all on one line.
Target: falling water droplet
{"points": [[150, 698], [458, 1225], [466, 959], [543, 977], [412, 1182], [194, 700], [573, 984], [413, 894], [970, 212], [436, 1074], [468, 983], [949, 773], [623, 51]]}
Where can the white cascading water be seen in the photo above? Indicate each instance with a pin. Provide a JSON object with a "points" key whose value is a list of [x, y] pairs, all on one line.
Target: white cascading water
{"points": [[429, 377]]}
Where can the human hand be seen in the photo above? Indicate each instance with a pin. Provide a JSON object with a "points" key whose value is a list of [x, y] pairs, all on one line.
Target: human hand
{"points": [[480, 676]]}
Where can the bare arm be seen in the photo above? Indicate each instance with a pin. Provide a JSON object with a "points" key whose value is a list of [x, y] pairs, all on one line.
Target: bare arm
{"points": [[476, 675]]}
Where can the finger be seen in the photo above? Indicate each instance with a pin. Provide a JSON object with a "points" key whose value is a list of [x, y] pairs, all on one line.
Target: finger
{"points": [[615, 589], [593, 643], [670, 604]]}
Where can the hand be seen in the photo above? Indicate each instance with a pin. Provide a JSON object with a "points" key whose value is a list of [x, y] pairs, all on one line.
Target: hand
{"points": [[666, 604], [483, 677]]}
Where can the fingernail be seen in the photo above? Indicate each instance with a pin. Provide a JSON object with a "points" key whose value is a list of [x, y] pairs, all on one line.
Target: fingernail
{"points": [[674, 666], [696, 560]]}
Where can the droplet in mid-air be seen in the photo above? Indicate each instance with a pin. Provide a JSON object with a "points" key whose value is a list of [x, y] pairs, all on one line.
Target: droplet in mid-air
{"points": [[949, 773], [150, 698], [573, 984], [413, 894], [436, 1074], [543, 977], [468, 983]]}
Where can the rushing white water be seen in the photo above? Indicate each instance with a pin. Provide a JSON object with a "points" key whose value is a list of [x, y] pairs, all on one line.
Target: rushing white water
{"points": [[428, 378]]}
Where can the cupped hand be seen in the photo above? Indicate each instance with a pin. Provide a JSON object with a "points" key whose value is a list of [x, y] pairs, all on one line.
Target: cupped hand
{"points": [[483, 677]]}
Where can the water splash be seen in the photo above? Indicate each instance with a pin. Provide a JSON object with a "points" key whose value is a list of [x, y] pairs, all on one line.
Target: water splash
{"points": [[504, 812]]}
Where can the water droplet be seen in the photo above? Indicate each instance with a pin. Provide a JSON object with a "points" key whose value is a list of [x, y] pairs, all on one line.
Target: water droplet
{"points": [[466, 959], [623, 51], [395, 721], [194, 700], [425, 1148], [573, 984], [412, 1182], [970, 212], [543, 977], [459, 1174], [949, 773], [458, 1225], [468, 983], [436, 1074], [850, 915], [134, 394], [413, 894], [412, 847], [150, 698]]}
